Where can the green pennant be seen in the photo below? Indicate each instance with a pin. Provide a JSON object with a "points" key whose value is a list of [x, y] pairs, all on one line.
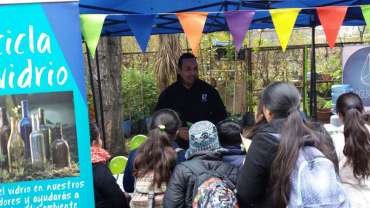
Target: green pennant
{"points": [[91, 27], [366, 13]]}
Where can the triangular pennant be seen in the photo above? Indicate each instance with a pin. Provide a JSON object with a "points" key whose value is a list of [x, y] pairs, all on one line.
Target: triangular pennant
{"points": [[366, 13], [284, 20], [331, 18], [91, 27], [238, 22], [193, 24], [141, 26]]}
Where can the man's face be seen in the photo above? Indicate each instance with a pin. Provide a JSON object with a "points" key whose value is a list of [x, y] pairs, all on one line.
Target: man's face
{"points": [[188, 71]]}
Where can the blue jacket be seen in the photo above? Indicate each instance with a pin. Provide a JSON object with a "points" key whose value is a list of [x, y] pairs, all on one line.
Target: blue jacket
{"points": [[233, 155], [128, 177]]}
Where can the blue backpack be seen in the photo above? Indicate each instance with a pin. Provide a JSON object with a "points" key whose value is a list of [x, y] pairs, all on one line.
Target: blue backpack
{"points": [[314, 182]]}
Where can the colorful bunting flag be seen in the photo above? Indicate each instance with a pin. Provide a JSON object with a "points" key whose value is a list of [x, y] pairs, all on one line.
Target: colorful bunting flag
{"points": [[91, 27], [331, 19], [366, 13], [238, 22], [284, 20], [193, 24], [141, 26]]}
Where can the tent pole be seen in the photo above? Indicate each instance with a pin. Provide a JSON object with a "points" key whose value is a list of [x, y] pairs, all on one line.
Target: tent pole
{"points": [[100, 99], [92, 82], [313, 98], [305, 83], [249, 79]]}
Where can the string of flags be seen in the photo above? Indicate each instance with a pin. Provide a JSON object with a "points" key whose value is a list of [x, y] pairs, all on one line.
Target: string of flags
{"points": [[238, 22]]}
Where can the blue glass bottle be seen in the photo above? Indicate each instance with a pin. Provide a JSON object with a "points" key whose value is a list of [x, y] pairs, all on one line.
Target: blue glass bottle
{"points": [[25, 129]]}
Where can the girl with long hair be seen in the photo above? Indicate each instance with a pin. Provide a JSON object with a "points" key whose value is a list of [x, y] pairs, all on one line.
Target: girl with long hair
{"points": [[172, 123], [353, 149], [153, 167], [265, 178]]}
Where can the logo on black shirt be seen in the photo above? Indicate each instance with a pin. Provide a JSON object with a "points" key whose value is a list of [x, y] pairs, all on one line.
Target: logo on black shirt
{"points": [[204, 98]]}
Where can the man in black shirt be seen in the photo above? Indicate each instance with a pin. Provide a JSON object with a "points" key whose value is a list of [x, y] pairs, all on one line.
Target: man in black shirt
{"points": [[193, 99]]}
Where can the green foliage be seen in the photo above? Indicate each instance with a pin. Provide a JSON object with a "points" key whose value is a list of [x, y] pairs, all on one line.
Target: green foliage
{"points": [[252, 100], [323, 89], [323, 103], [337, 75], [328, 104], [328, 61], [139, 93]]}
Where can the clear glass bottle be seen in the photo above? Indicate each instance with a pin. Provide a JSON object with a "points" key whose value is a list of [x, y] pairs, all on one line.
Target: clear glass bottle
{"points": [[16, 149], [46, 132], [25, 129], [60, 150], [37, 144], [4, 136]]}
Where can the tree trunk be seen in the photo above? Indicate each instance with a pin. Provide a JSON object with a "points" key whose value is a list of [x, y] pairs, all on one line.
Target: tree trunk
{"points": [[166, 65], [109, 54], [240, 93]]}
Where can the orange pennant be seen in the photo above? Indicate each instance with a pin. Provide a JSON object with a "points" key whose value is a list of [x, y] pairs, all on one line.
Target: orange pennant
{"points": [[193, 24], [331, 18]]}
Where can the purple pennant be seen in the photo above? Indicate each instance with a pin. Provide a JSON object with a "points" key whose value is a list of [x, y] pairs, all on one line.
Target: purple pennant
{"points": [[238, 22]]}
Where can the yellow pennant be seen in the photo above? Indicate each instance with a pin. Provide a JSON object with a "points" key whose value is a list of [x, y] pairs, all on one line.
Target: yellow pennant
{"points": [[284, 20]]}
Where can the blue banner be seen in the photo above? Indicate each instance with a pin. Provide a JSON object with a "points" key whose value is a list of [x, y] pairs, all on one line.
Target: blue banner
{"points": [[43, 108], [356, 70]]}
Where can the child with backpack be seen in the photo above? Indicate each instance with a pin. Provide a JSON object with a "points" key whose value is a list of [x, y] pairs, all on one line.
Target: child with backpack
{"points": [[229, 134], [172, 123], [204, 180], [352, 144], [153, 167], [286, 164]]}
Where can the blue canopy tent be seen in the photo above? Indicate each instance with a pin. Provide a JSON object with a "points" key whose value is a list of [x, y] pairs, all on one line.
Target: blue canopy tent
{"points": [[166, 21]]}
